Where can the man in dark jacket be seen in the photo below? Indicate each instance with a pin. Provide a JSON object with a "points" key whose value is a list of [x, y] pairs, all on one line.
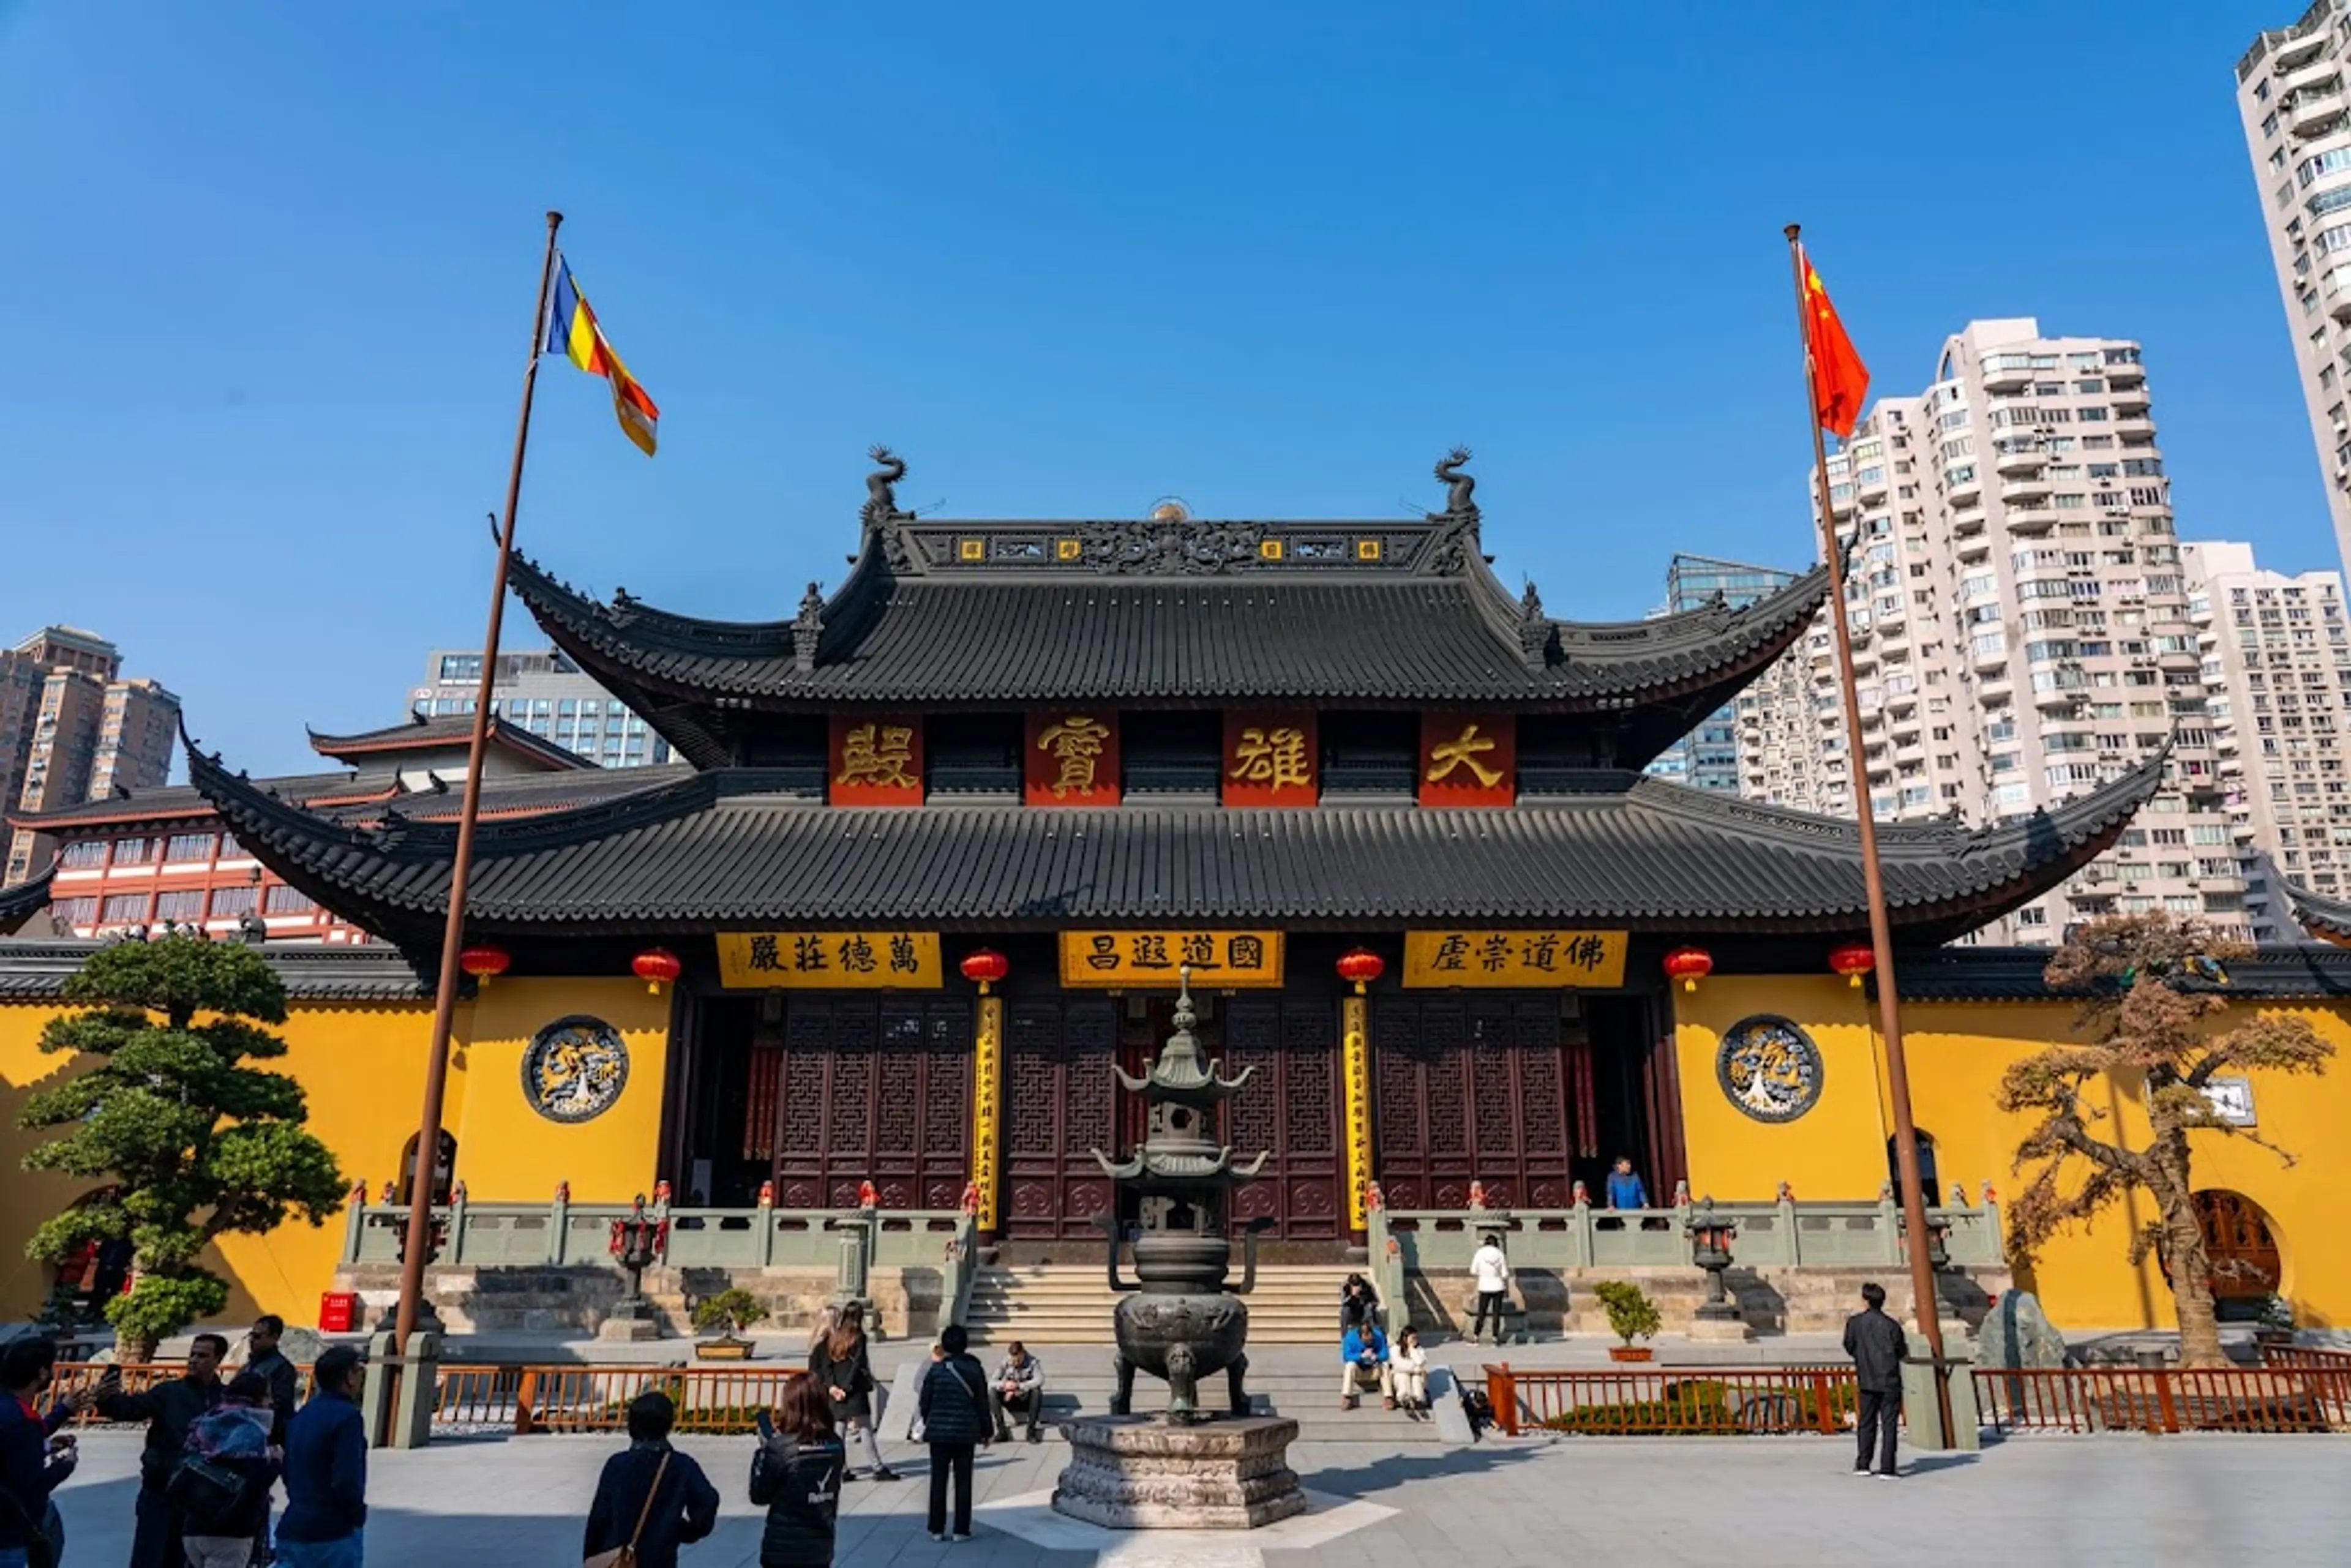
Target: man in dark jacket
{"points": [[1877, 1346], [169, 1409], [266, 1362], [326, 1471], [685, 1508], [30, 1466]]}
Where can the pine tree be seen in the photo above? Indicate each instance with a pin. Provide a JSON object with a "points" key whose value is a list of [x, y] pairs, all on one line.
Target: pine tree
{"points": [[2152, 982], [184, 1141]]}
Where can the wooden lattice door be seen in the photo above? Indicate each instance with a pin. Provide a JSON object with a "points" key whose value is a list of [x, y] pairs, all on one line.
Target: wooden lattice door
{"points": [[874, 1090], [1291, 1109], [2238, 1244], [1058, 1110], [1471, 1090]]}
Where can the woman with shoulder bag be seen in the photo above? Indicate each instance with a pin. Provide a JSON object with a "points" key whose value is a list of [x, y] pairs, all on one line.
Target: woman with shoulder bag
{"points": [[796, 1476], [840, 1365], [956, 1422]]}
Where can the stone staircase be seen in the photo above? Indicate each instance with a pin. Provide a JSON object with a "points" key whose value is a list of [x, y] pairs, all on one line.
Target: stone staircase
{"points": [[1068, 1305]]}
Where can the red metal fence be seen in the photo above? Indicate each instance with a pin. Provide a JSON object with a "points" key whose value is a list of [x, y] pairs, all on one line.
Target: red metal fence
{"points": [[1652, 1401], [2297, 1389], [487, 1398]]}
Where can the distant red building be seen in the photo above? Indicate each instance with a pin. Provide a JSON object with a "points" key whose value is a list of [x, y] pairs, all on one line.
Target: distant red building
{"points": [[157, 855]]}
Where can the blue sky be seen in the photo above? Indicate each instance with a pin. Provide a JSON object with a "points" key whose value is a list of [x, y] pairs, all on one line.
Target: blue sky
{"points": [[267, 272]]}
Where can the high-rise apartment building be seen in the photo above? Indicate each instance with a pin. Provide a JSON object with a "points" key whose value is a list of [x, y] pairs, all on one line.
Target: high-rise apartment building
{"points": [[71, 728], [2019, 620], [545, 693], [2291, 96], [1708, 758], [2277, 666]]}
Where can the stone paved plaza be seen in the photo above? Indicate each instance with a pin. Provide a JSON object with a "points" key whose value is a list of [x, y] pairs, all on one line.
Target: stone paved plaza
{"points": [[518, 1503]]}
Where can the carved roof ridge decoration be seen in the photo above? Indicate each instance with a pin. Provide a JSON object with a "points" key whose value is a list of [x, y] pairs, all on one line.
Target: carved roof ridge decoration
{"points": [[25, 899], [2325, 918], [707, 854]]}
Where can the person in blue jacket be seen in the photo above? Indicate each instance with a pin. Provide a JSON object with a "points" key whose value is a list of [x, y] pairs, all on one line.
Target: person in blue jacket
{"points": [[1625, 1188], [1364, 1351], [31, 1465], [325, 1520]]}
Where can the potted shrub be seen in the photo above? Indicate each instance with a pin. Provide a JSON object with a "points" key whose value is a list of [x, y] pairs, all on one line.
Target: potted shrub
{"points": [[1631, 1315], [726, 1314], [2275, 1323]]}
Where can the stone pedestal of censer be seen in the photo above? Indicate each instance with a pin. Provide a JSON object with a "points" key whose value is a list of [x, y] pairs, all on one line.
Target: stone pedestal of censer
{"points": [[1193, 1471]]}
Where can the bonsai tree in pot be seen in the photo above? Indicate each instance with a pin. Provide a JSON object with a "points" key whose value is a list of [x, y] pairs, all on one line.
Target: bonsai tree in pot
{"points": [[726, 1314], [1631, 1315]]}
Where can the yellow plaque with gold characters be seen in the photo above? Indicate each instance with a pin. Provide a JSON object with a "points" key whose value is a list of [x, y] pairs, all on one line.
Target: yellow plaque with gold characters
{"points": [[1514, 959], [828, 960], [1145, 959]]}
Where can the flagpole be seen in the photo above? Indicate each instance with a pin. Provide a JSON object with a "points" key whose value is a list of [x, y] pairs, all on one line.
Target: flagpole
{"points": [[1924, 1302], [452, 934]]}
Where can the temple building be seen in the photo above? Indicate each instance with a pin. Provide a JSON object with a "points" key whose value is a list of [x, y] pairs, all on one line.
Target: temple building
{"points": [[1389, 814]]}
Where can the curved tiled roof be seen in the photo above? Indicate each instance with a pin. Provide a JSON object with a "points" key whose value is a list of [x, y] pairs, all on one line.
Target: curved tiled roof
{"points": [[421, 733], [21, 902], [1414, 622], [2329, 919], [727, 849]]}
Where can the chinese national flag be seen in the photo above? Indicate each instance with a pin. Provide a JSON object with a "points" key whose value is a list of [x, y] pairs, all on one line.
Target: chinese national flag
{"points": [[1839, 381]]}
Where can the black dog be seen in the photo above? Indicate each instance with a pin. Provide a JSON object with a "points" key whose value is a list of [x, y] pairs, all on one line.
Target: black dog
{"points": [[1477, 1408]]}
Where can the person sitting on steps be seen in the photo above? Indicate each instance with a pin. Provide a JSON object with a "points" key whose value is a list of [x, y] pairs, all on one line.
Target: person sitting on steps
{"points": [[1408, 1366], [1019, 1386], [1364, 1352]]}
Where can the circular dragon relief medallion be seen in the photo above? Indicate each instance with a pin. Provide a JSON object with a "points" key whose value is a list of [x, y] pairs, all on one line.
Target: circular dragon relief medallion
{"points": [[574, 1069], [1769, 1068]]}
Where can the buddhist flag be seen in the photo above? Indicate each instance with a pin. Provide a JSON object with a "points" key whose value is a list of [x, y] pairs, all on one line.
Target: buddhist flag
{"points": [[572, 332], [1839, 381]]}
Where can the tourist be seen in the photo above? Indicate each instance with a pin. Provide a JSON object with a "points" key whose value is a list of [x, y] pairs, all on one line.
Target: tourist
{"points": [[650, 1498], [1408, 1367], [1877, 1346], [1358, 1303], [223, 1505], [1364, 1352], [325, 1521], [33, 1461], [1625, 1186], [840, 1365], [796, 1476], [1020, 1387], [169, 1409], [828, 1320], [1490, 1268], [262, 1355], [954, 1408]]}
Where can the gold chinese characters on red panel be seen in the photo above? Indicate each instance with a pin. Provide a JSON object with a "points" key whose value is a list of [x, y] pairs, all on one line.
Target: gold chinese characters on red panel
{"points": [[1468, 759], [1269, 758], [1070, 758], [876, 760]]}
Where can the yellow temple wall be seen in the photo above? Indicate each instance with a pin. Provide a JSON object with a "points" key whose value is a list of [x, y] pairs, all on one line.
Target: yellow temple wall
{"points": [[1957, 1053], [509, 1153], [361, 1067]]}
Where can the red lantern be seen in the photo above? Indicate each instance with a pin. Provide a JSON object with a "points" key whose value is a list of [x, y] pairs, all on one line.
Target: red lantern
{"points": [[1689, 966], [1853, 960], [984, 966], [656, 966], [1359, 966], [484, 963]]}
